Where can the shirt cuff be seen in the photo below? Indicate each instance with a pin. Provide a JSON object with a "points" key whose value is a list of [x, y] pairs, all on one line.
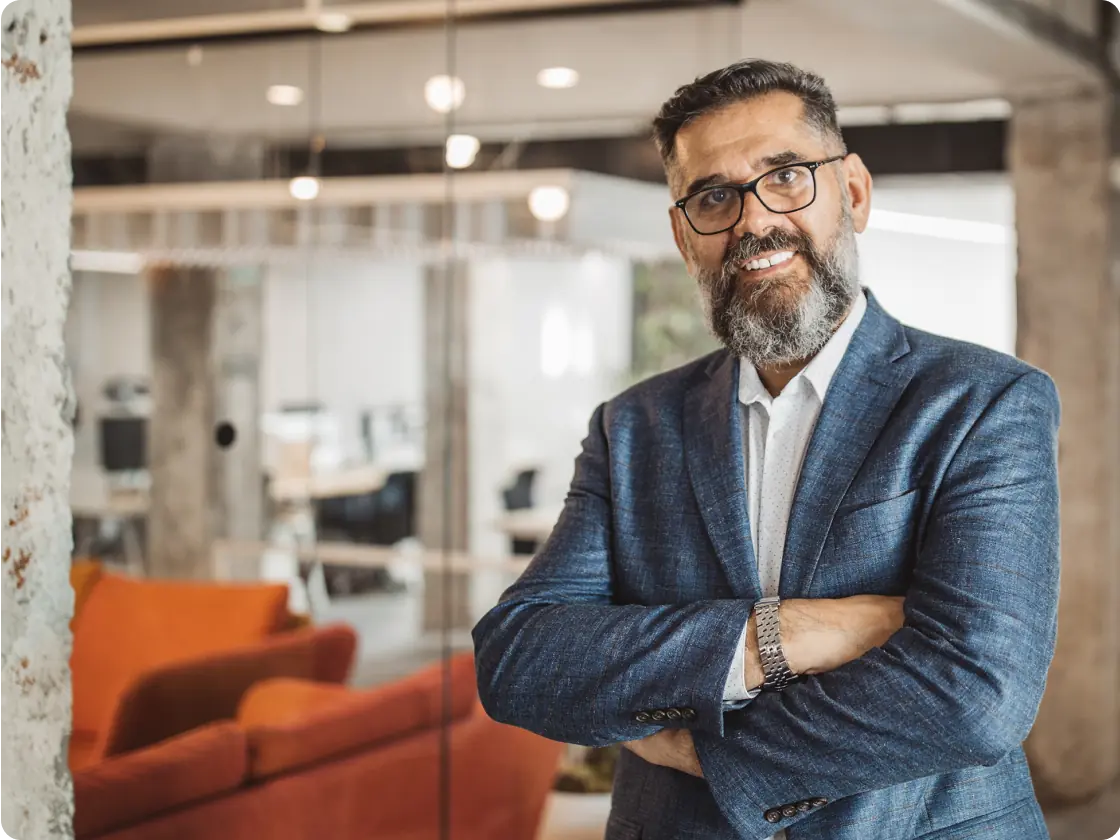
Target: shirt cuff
{"points": [[735, 689]]}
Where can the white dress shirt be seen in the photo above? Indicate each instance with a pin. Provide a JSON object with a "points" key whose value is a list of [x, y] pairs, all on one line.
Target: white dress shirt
{"points": [[776, 434]]}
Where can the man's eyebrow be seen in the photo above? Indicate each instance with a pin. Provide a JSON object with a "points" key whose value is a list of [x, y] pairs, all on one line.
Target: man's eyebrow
{"points": [[780, 159], [761, 165]]}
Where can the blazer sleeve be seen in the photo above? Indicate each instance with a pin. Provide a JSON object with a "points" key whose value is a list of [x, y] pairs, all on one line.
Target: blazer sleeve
{"points": [[959, 686], [559, 657]]}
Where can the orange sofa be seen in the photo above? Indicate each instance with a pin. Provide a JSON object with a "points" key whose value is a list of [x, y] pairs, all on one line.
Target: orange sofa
{"points": [[304, 761], [153, 659]]}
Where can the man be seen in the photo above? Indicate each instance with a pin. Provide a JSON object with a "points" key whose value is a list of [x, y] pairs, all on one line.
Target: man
{"points": [[859, 517]]}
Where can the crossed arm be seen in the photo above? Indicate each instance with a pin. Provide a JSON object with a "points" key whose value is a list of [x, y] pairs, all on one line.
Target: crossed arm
{"points": [[957, 686]]}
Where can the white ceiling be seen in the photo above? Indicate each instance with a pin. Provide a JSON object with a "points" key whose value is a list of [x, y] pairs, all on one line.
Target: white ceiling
{"points": [[371, 90]]}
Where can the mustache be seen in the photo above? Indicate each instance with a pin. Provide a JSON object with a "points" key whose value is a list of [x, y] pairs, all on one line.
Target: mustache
{"points": [[751, 246]]}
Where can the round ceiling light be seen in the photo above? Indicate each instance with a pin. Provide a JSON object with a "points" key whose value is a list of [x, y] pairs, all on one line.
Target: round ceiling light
{"points": [[558, 78], [461, 150], [444, 94], [549, 204], [304, 188], [333, 22], [284, 95]]}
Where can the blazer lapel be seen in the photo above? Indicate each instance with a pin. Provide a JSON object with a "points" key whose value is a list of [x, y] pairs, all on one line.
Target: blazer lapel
{"points": [[713, 438], [864, 391]]}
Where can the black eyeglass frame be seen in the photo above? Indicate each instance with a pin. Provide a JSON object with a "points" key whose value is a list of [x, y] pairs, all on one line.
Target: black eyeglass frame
{"points": [[752, 187]]}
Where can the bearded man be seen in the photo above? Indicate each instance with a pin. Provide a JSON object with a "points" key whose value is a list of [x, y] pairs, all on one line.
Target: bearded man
{"points": [[810, 581]]}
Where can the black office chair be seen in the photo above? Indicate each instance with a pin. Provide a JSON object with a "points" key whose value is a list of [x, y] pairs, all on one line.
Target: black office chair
{"points": [[519, 496], [383, 517]]}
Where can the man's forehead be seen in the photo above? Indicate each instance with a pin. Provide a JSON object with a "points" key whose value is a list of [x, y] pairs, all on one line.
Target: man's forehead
{"points": [[743, 133]]}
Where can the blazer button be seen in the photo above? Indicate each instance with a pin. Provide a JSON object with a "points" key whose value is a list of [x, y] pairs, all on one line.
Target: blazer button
{"points": [[642, 717], [804, 806], [818, 803], [688, 714], [673, 714], [789, 811], [773, 816], [658, 716]]}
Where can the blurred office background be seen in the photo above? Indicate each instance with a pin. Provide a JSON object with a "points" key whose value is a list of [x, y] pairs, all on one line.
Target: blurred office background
{"points": [[348, 282]]}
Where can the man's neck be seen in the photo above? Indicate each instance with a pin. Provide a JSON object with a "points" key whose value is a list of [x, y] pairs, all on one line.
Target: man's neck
{"points": [[777, 377]]}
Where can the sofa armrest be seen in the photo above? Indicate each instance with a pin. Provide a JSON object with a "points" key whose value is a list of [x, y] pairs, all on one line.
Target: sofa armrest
{"points": [[126, 790], [176, 698]]}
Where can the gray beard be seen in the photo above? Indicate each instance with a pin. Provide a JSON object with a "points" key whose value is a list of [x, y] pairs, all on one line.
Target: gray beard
{"points": [[763, 337]]}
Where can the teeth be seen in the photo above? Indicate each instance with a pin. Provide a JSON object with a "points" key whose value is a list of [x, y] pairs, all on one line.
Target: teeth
{"points": [[776, 259]]}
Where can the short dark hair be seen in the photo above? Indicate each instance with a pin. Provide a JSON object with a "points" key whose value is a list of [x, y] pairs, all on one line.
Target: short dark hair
{"points": [[740, 82]]}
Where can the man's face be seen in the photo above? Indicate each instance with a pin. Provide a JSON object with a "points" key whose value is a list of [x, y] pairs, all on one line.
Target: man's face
{"points": [[785, 312]]}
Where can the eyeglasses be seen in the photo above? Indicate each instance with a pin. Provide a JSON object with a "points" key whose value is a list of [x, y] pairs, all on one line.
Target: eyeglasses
{"points": [[786, 189]]}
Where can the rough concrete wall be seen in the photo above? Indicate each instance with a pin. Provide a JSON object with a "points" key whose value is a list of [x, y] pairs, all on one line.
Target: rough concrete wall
{"points": [[38, 406], [1069, 325]]}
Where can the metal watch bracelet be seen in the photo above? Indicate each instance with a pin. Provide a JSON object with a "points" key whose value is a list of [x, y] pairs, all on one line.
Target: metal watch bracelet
{"points": [[775, 668]]}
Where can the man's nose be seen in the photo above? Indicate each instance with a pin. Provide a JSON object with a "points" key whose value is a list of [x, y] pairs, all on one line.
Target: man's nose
{"points": [[756, 219]]}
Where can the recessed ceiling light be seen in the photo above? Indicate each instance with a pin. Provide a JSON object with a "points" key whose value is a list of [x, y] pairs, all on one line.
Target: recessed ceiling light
{"points": [[558, 78], [444, 93], [549, 204], [461, 150], [305, 188], [285, 95], [333, 22]]}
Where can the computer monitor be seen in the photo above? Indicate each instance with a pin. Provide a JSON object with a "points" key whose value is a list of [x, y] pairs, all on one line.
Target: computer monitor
{"points": [[124, 443]]}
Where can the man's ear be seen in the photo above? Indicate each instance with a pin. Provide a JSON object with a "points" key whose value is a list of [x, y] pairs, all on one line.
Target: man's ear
{"points": [[858, 182], [676, 218]]}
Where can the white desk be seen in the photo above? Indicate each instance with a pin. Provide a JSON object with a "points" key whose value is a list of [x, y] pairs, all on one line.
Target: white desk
{"points": [[534, 523], [351, 482]]}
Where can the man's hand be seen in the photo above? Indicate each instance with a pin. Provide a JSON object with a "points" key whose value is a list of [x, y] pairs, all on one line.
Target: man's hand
{"points": [[672, 748], [822, 634]]}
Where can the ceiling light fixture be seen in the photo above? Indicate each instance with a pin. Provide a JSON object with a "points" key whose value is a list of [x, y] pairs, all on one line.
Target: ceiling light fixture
{"points": [[333, 22], [549, 204], [304, 188], [461, 150], [558, 78], [284, 95], [444, 94]]}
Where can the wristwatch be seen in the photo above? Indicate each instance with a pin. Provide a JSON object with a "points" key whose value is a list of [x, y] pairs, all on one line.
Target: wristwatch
{"points": [[774, 665]]}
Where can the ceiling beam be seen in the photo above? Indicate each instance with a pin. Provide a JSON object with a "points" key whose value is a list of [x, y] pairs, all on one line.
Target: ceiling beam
{"points": [[363, 16]]}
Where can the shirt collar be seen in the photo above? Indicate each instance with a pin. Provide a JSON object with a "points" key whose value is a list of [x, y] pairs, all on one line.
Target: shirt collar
{"points": [[819, 372]]}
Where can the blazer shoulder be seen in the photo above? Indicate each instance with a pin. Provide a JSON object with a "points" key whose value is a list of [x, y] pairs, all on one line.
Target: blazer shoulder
{"points": [[952, 363], [670, 386]]}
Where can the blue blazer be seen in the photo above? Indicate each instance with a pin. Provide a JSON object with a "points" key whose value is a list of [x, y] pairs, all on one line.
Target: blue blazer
{"points": [[932, 474]]}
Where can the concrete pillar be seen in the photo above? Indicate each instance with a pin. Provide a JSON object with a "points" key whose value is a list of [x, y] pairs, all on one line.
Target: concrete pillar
{"points": [[444, 489], [206, 349], [37, 441], [181, 524], [237, 343], [1069, 325]]}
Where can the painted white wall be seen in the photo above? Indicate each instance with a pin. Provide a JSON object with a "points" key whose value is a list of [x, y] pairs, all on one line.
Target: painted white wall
{"points": [[346, 333], [550, 341], [964, 290]]}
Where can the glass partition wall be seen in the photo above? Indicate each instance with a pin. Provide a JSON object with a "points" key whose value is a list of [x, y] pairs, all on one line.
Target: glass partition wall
{"points": [[347, 290]]}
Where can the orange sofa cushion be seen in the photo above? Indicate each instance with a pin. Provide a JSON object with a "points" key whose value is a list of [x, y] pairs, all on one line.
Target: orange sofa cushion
{"points": [[129, 626], [129, 789], [292, 723]]}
